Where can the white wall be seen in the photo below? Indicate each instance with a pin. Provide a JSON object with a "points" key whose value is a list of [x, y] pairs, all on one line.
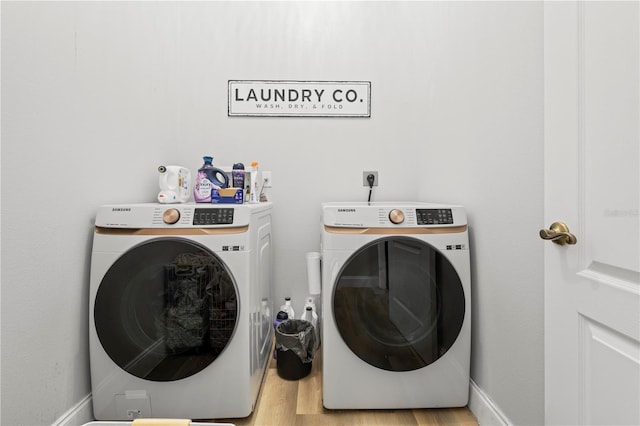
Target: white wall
{"points": [[96, 95], [485, 120]]}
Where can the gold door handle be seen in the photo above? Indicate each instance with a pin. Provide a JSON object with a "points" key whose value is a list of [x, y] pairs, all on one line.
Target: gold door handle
{"points": [[559, 234]]}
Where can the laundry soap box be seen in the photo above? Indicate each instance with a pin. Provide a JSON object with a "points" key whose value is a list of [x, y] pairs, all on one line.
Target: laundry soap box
{"points": [[227, 196]]}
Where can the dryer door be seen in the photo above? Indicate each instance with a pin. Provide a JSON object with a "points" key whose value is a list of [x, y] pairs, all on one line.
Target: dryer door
{"points": [[398, 304], [166, 309]]}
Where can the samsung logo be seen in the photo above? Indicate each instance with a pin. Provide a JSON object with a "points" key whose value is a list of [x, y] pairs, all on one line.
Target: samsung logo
{"points": [[121, 209], [346, 210]]}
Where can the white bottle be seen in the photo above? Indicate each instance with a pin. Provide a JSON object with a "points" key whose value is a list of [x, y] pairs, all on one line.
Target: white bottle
{"points": [[312, 317], [287, 307], [309, 315], [310, 302]]}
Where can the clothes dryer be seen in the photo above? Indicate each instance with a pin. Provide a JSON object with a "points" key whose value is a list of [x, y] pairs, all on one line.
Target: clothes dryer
{"points": [[179, 310], [396, 304]]}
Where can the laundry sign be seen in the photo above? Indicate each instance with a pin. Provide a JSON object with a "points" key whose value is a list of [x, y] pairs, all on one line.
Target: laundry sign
{"points": [[299, 98]]}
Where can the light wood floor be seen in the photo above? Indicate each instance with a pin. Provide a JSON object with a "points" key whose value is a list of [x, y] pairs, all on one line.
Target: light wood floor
{"points": [[299, 403]]}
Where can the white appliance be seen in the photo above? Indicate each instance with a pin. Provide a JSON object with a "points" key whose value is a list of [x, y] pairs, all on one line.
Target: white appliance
{"points": [[396, 305], [180, 310]]}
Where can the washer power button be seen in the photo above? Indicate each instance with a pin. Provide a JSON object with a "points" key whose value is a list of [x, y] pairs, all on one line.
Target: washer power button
{"points": [[396, 216]]}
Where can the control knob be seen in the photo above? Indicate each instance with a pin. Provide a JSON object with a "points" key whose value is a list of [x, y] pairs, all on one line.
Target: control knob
{"points": [[396, 216], [171, 216]]}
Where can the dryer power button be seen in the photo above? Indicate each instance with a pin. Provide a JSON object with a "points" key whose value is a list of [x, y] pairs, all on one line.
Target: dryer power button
{"points": [[396, 216], [171, 216]]}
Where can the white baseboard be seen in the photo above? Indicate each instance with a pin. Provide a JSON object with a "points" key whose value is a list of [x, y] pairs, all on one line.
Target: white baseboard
{"points": [[77, 415], [485, 410]]}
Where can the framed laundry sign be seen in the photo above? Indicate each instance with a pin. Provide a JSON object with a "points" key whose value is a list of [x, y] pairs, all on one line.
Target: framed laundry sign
{"points": [[274, 98]]}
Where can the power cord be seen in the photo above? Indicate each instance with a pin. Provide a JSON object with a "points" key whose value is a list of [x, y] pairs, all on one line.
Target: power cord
{"points": [[370, 179]]}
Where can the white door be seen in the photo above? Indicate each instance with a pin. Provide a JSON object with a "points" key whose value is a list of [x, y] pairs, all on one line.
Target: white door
{"points": [[592, 290]]}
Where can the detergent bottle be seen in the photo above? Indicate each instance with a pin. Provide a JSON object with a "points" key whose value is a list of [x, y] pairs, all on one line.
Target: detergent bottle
{"points": [[208, 178], [175, 184]]}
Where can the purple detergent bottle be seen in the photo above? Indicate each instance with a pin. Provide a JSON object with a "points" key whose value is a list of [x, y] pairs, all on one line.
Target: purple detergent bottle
{"points": [[208, 178]]}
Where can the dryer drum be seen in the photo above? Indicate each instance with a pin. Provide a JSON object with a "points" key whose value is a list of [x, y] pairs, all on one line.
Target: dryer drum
{"points": [[398, 303]]}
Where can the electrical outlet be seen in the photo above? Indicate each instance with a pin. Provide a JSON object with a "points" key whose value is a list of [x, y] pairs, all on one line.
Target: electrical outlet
{"points": [[266, 179], [365, 181]]}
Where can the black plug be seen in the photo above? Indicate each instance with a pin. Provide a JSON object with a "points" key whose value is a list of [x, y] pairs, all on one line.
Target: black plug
{"points": [[371, 179]]}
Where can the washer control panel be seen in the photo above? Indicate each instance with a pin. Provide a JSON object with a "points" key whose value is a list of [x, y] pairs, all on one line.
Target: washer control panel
{"points": [[218, 216], [434, 216], [179, 216]]}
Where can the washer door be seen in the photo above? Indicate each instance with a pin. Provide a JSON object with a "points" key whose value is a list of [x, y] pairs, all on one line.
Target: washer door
{"points": [[398, 304], [166, 309]]}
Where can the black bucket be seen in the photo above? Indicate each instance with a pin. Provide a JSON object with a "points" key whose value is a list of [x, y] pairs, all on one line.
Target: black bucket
{"points": [[290, 366], [295, 345]]}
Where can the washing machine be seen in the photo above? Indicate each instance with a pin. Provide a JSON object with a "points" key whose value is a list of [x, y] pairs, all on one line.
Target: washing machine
{"points": [[180, 310], [396, 305]]}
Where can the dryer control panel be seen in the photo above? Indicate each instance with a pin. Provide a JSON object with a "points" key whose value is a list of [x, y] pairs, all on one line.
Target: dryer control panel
{"points": [[434, 216], [392, 214]]}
